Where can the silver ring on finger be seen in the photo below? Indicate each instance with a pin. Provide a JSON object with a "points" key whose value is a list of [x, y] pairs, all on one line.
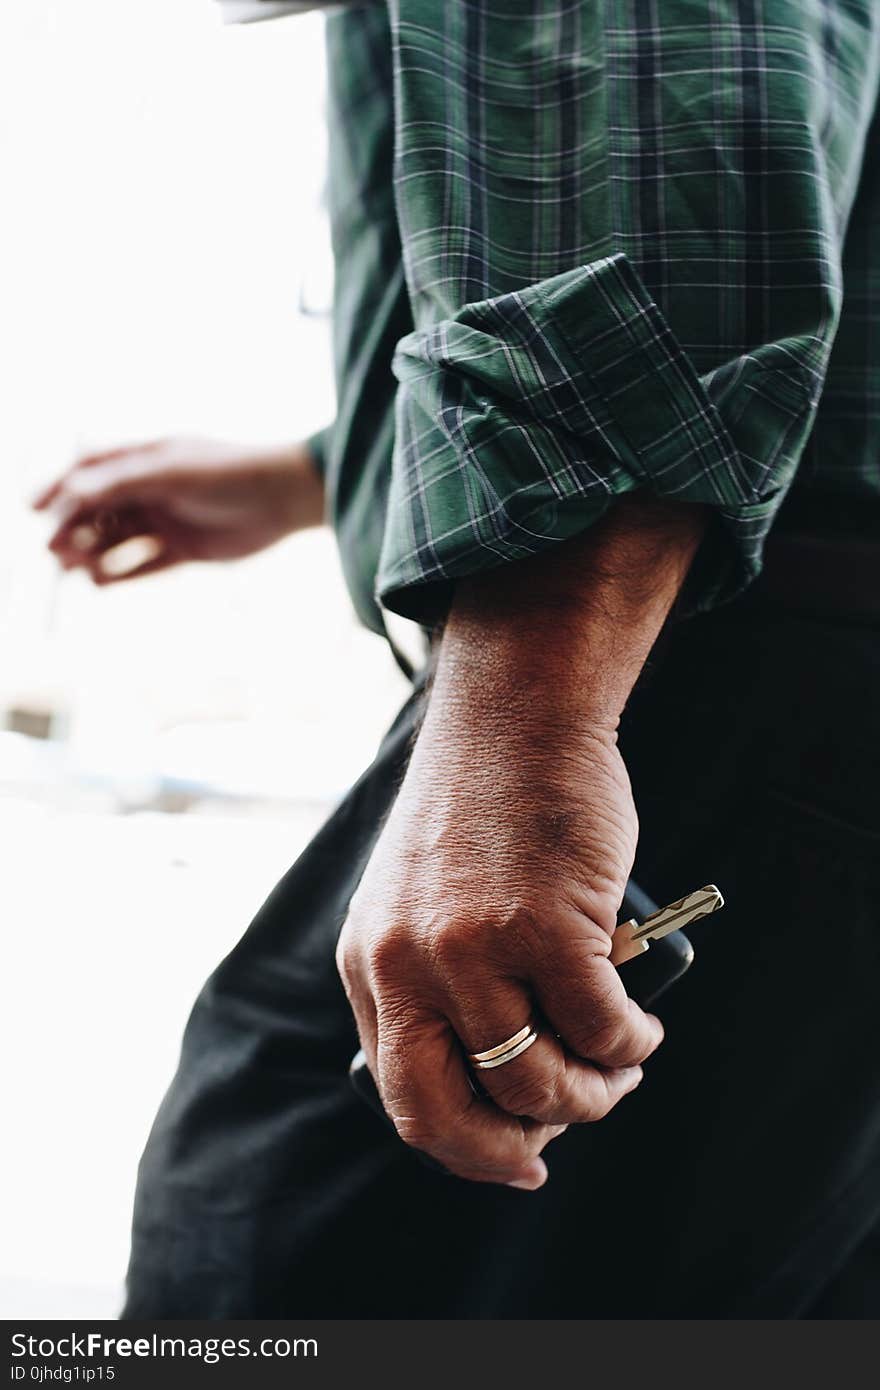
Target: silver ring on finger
{"points": [[513, 1047]]}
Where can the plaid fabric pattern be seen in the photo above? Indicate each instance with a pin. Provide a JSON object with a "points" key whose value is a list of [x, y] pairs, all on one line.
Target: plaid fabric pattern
{"points": [[637, 252]]}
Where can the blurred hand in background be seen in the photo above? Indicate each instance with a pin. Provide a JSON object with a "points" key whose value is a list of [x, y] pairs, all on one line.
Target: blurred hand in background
{"points": [[134, 510]]}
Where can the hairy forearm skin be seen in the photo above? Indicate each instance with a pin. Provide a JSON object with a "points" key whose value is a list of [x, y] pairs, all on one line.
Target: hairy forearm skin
{"points": [[564, 636]]}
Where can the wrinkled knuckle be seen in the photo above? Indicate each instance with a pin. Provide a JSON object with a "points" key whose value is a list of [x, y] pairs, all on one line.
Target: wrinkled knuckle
{"points": [[602, 1027], [395, 1023], [386, 954], [526, 931], [609, 1038], [535, 1095], [453, 946]]}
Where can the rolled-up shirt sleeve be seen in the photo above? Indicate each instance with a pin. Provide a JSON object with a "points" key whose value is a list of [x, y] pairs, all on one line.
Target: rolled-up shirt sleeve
{"points": [[622, 228]]}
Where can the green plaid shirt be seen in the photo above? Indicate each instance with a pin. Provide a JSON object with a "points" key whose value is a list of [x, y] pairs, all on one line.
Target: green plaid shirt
{"points": [[585, 247]]}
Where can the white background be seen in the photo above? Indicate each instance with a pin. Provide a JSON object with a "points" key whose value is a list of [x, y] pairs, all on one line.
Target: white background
{"points": [[161, 180]]}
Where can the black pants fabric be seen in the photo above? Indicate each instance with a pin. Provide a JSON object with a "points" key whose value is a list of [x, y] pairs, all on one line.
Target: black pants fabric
{"points": [[742, 1179]]}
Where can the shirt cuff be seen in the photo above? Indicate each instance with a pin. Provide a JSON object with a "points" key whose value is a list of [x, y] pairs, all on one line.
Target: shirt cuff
{"points": [[521, 419]]}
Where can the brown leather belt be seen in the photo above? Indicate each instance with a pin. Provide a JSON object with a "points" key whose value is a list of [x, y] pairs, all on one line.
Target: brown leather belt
{"points": [[835, 575]]}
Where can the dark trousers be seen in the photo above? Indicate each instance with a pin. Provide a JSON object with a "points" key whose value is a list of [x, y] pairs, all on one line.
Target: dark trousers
{"points": [[741, 1180]]}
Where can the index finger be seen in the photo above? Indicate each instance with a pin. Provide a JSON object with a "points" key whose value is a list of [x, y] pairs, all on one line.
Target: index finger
{"points": [[44, 497]]}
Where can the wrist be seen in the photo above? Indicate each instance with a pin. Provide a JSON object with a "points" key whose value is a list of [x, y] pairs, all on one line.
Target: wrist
{"points": [[550, 667], [300, 486]]}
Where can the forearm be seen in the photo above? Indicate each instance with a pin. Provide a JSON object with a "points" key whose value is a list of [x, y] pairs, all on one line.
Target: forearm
{"points": [[566, 634]]}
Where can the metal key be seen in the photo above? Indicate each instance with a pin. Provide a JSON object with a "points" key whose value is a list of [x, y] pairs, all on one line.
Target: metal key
{"points": [[631, 938]]}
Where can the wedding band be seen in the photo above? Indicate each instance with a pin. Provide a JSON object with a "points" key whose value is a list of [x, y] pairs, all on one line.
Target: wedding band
{"points": [[506, 1051]]}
